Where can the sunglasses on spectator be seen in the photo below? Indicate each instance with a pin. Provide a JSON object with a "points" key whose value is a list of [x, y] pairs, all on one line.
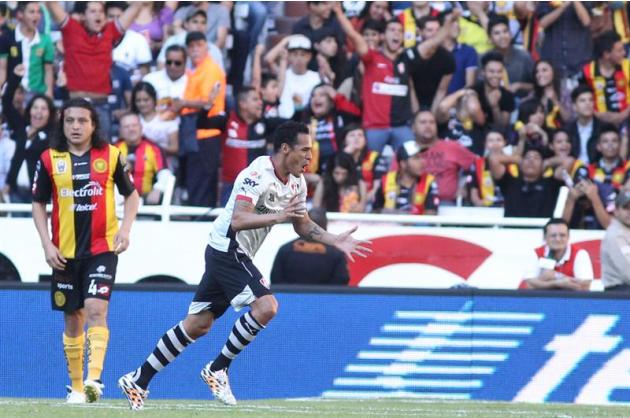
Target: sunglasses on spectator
{"points": [[175, 63]]}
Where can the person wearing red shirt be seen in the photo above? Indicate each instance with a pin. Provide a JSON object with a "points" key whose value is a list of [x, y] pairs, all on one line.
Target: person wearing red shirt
{"points": [[444, 159], [88, 50], [386, 89]]}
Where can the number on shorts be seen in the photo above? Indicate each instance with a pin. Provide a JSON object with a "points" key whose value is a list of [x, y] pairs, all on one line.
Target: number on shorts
{"points": [[92, 288]]}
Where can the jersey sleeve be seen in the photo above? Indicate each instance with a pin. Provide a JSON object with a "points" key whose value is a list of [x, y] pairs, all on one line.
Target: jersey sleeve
{"points": [[248, 186], [42, 184], [122, 179]]}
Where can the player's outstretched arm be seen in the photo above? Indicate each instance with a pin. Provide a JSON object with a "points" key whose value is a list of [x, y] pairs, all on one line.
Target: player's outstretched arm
{"points": [[244, 216], [350, 246]]}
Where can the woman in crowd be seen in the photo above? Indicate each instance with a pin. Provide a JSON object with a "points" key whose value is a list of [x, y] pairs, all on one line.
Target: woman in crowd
{"points": [[340, 189], [164, 133], [530, 126], [547, 93], [31, 129], [154, 21], [370, 165]]}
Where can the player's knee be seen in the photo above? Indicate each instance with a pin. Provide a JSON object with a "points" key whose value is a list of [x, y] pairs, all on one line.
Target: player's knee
{"points": [[197, 326], [96, 316], [266, 310]]}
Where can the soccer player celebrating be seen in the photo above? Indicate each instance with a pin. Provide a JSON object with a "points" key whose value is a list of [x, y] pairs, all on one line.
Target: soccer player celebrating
{"points": [[269, 191], [79, 172]]}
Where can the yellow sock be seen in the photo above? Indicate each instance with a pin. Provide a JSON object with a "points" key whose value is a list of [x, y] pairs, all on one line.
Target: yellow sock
{"points": [[74, 347], [97, 346]]}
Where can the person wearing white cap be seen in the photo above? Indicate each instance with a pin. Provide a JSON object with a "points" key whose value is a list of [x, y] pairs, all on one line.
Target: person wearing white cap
{"points": [[615, 249], [297, 81]]}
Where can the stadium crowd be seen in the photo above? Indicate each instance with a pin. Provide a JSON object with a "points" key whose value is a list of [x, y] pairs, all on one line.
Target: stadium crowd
{"points": [[412, 106]]}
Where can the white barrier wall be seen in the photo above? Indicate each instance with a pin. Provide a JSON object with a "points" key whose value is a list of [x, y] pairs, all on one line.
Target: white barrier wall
{"points": [[404, 256]]}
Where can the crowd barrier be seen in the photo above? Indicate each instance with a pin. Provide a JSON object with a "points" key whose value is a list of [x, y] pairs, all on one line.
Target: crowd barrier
{"points": [[349, 343]]}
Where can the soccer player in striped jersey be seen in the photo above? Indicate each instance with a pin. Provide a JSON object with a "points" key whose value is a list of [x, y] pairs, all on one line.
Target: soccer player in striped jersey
{"points": [[269, 191], [79, 173]]}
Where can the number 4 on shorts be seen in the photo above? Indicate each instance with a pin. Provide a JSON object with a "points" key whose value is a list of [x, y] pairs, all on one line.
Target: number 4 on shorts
{"points": [[92, 288]]}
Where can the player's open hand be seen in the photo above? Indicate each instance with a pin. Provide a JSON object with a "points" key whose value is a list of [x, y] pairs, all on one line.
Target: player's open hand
{"points": [[295, 209], [54, 257], [121, 241], [349, 245]]}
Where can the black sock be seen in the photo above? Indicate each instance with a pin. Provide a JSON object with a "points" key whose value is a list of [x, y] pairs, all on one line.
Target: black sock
{"points": [[244, 331]]}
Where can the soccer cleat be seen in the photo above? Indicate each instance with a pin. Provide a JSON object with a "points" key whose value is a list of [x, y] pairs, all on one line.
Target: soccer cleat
{"points": [[74, 396], [93, 390], [134, 393], [219, 384]]}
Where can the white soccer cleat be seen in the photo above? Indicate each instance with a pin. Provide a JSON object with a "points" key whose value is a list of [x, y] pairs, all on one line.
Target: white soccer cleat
{"points": [[134, 393], [74, 396], [219, 384], [93, 390]]}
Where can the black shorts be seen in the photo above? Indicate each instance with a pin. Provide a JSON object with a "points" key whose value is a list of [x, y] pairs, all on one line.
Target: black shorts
{"points": [[230, 279], [91, 277]]}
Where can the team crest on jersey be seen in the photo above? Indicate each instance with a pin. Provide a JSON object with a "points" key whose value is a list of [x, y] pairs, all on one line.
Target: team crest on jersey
{"points": [[259, 128], [99, 165], [61, 166], [60, 299]]}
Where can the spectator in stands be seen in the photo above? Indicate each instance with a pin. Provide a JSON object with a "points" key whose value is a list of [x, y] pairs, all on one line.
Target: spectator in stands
{"points": [[584, 208], [496, 101], [530, 124], [332, 63], [196, 21], [154, 21], [297, 82], [119, 99], [410, 189], [244, 138], [560, 146], [7, 150], [144, 159], [133, 53], [614, 250], [327, 114], [319, 16], [608, 76], [608, 172], [461, 119], [370, 165], [170, 82], [410, 19], [270, 92], [218, 20], [204, 93], [340, 189], [88, 50], [558, 264], [306, 263], [443, 159], [385, 89], [31, 132], [466, 60], [566, 43], [518, 63], [28, 50], [527, 193], [547, 92], [474, 25], [483, 191], [163, 133], [378, 11], [430, 64], [584, 130]]}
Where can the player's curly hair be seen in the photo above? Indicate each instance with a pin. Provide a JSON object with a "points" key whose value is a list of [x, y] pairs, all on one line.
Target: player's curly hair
{"points": [[59, 140]]}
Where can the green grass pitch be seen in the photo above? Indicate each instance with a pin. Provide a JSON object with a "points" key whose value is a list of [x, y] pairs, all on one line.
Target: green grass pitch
{"points": [[55, 408]]}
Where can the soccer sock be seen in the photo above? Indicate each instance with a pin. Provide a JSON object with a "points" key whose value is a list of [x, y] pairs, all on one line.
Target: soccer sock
{"points": [[170, 346], [97, 338], [74, 347], [244, 331]]}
